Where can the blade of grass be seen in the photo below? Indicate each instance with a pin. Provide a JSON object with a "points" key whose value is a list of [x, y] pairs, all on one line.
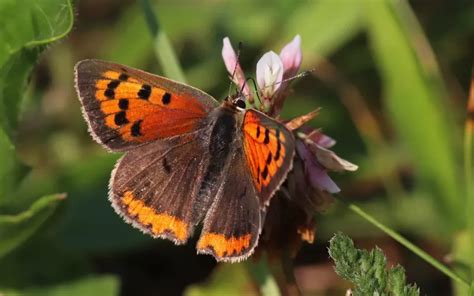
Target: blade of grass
{"points": [[161, 45], [324, 26], [468, 165], [407, 244], [411, 92]]}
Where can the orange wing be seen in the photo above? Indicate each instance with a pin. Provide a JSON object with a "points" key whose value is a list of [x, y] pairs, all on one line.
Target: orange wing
{"points": [[269, 148], [126, 107]]}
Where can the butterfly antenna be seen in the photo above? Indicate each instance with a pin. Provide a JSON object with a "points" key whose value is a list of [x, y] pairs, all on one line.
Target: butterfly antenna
{"points": [[237, 62], [300, 75], [255, 87]]}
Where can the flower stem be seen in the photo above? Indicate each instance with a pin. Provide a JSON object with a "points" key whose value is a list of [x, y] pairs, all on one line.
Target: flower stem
{"points": [[407, 244], [161, 45]]}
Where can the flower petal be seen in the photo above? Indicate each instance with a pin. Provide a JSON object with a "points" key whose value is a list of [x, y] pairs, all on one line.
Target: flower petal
{"points": [[329, 159], [269, 73], [291, 57], [321, 139], [315, 173], [229, 55], [232, 64]]}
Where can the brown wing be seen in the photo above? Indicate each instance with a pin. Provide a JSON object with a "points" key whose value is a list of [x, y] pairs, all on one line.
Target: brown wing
{"points": [[126, 107], [269, 149], [233, 223], [155, 187]]}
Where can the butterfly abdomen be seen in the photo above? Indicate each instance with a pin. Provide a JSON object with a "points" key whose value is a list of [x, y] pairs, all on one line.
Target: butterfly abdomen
{"points": [[220, 146]]}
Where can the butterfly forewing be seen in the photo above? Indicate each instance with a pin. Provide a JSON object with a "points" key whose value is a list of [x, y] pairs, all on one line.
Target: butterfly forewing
{"points": [[269, 148], [126, 107]]}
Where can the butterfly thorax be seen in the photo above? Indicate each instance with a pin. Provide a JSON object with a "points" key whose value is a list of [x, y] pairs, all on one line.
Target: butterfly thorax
{"points": [[224, 120]]}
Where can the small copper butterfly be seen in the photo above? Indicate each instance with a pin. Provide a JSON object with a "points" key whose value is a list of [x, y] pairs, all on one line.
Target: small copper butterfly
{"points": [[189, 159]]}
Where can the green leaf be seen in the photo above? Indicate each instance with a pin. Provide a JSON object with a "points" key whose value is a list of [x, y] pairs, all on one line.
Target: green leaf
{"points": [[11, 171], [397, 283], [367, 270], [26, 27], [413, 95], [99, 285], [14, 229]]}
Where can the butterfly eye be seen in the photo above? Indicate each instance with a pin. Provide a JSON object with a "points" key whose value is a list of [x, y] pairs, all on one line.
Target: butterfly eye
{"points": [[239, 104]]}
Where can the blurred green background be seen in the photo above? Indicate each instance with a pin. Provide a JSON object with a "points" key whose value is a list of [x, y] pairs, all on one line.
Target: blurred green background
{"points": [[392, 79]]}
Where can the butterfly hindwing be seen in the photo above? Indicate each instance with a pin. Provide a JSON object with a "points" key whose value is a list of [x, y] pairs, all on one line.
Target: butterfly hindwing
{"points": [[155, 187], [126, 107], [233, 223], [269, 148]]}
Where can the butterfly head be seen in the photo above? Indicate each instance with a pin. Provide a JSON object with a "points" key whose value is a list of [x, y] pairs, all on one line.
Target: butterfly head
{"points": [[236, 101]]}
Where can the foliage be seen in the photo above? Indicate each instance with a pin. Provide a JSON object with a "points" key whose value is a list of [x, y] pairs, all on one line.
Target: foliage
{"points": [[377, 78], [23, 36], [367, 270]]}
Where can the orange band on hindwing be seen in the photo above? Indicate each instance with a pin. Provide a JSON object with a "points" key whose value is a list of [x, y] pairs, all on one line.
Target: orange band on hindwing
{"points": [[222, 246], [158, 223]]}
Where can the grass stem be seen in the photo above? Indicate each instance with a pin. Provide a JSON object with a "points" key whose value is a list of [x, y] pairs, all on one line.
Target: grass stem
{"points": [[409, 245], [162, 47]]}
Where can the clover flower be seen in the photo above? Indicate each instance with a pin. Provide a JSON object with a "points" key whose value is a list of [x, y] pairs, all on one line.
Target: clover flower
{"points": [[290, 217], [272, 70]]}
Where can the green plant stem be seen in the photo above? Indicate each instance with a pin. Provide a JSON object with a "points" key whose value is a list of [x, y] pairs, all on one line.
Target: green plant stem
{"points": [[407, 244], [161, 45]]}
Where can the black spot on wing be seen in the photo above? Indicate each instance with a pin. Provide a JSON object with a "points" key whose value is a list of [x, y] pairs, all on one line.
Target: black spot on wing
{"points": [[269, 158], [166, 165], [145, 92], [109, 93], [123, 104], [120, 118], [113, 84], [277, 153], [266, 140], [123, 77], [166, 99], [136, 128], [265, 173]]}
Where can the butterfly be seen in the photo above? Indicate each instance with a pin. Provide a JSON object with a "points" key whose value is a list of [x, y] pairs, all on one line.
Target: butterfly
{"points": [[188, 159]]}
